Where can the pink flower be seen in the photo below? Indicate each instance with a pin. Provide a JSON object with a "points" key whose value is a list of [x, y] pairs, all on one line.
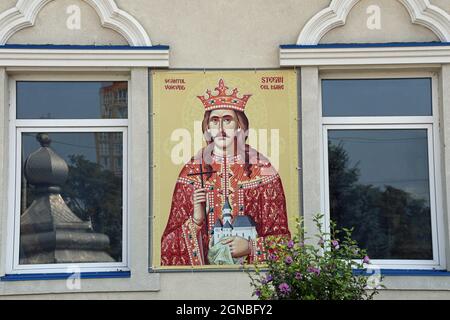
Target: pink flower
{"points": [[290, 244], [335, 244], [288, 260], [267, 279], [366, 259], [284, 288], [298, 276], [272, 257], [314, 270]]}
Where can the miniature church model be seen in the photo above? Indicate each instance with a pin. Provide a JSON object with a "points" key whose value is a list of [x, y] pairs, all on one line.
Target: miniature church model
{"points": [[242, 226]]}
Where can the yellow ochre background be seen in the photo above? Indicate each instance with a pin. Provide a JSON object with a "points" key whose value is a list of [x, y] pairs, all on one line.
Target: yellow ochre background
{"points": [[175, 109]]}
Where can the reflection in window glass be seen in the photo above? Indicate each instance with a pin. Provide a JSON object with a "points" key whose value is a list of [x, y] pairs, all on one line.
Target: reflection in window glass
{"points": [[71, 201], [72, 100], [377, 97], [379, 184]]}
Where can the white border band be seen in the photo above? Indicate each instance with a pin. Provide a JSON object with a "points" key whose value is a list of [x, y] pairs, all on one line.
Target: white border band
{"points": [[25, 57], [353, 56]]}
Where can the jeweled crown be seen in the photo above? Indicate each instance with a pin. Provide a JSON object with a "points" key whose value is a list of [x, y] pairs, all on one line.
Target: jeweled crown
{"points": [[222, 100]]}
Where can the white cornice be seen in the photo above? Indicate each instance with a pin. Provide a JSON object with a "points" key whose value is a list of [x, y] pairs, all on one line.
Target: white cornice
{"points": [[24, 15], [425, 55], [421, 11], [83, 58]]}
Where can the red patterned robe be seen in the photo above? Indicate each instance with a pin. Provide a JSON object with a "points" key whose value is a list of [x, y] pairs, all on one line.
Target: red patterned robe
{"points": [[259, 195]]}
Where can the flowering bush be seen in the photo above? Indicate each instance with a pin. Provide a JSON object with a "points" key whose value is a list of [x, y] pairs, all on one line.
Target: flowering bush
{"points": [[305, 269]]}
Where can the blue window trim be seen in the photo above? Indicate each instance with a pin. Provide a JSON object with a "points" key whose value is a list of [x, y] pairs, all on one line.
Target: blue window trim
{"points": [[81, 47], [365, 45], [59, 276], [405, 273]]}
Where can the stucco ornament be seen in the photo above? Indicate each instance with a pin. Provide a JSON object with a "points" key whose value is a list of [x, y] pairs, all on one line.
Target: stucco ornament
{"points": [[24, 14], [422, 12]]}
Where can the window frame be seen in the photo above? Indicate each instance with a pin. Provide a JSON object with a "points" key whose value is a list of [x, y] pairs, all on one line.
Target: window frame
{"points": [[430, 123], [18, 126]]}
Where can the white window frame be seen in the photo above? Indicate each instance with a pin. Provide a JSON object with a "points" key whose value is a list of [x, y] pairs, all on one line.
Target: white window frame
{"points": [[18, 126], [430, 123]]}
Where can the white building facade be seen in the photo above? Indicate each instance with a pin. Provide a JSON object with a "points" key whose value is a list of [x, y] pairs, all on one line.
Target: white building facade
{"points": [[104, 43]]}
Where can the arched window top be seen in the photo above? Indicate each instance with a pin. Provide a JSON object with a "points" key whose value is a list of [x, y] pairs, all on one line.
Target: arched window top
{"points": [[24, 14], [422, 12]]}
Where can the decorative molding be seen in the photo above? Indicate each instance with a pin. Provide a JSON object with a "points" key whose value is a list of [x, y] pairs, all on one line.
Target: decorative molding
{"points": [[21, 16], [29, 57], [434, 18], [364, 56], [325, 20], [422, 12], [24, 15], [114, 18]]}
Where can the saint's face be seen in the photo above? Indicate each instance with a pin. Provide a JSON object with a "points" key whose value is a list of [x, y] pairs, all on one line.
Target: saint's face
{"points": [[223, 125]]}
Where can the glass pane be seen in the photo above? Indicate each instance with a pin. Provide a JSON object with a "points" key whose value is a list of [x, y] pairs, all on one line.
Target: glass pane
{"points": [[379, 184], [72, 100], [71, 198], [376, 97]]}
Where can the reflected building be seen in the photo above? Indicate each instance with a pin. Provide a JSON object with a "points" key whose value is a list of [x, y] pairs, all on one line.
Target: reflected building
{"points": [[109, 146], [50, 232]]}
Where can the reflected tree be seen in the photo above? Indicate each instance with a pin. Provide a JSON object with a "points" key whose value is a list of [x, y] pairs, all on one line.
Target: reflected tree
{"points": [[389, 222], [94, 193]]}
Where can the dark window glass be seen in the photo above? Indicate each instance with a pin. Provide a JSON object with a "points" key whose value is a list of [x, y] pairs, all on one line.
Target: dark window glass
{"points": [[377, 97], [72, 100], [379, 184], [71, 198]]}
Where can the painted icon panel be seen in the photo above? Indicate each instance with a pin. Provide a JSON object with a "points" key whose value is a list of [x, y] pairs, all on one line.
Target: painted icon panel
{"points": [[225, 165]]}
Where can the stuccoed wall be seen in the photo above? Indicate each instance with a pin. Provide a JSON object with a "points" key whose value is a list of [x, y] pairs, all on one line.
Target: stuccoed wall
{"points": [[209, 34], [235, 286], [222, 34], [226, 34], [6, 4], [444, 4]]}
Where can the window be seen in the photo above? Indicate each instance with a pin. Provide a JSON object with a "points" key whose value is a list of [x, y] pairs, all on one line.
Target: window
{"points": [[380, 146], [70, 195]]}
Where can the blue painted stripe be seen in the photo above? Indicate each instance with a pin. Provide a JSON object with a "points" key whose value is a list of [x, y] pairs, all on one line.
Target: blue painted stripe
{"points": [[59, 276], [80, 47], [365, 45], [405, 272]]}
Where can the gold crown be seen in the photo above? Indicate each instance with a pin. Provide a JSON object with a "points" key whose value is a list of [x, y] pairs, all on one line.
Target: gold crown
{"points": [[222, 100]]}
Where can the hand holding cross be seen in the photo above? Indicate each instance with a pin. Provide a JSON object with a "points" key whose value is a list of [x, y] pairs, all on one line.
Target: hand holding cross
{"points": [[200, 214]]}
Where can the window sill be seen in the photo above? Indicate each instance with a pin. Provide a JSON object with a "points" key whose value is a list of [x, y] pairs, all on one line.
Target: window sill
{"points": [[405, 273], [60, 276], [89, 282]]}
